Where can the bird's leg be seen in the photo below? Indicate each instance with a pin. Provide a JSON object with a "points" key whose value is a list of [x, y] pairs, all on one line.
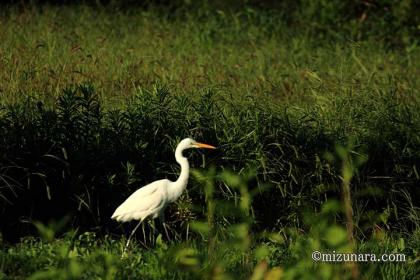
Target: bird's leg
{"points": [[153, 225], [166, 231], [129, 239], [162, 218], [155, 232], [144, 233]]}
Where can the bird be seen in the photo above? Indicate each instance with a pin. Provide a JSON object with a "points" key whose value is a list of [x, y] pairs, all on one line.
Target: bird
{"points": [[151, 200]]}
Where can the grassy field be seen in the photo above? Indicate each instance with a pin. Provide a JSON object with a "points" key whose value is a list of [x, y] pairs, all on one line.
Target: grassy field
{"points": [[314, 133], [245, 54]]}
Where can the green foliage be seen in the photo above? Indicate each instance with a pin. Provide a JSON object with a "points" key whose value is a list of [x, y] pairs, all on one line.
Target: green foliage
{"points": [[76, 157], [47, 49], [319, 99], [224, 251]]}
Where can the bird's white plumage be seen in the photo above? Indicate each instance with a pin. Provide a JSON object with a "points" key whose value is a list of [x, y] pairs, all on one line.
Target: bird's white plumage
{"points": [[149, 200], [152, 199]]}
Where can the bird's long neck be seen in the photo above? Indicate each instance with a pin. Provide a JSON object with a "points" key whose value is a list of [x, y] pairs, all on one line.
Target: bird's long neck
{"points": [[181, 183]]}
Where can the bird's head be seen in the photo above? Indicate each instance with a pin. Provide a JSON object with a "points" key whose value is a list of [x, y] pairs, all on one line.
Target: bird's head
{"points": [[188, 143]]}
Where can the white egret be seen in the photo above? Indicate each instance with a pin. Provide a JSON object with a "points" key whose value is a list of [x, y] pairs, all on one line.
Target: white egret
{"points": [[151, 200]]}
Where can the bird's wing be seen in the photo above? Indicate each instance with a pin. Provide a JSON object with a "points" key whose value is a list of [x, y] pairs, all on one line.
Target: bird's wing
{"points": [[146, 201]]}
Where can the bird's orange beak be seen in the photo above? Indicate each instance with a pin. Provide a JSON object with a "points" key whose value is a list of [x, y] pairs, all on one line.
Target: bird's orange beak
{"points": [[204, 146]]}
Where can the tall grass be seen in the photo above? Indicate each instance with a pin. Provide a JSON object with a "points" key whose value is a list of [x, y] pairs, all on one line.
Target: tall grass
{"points": [[46, 49], [223, 248], [94, 103], [77, 157]]}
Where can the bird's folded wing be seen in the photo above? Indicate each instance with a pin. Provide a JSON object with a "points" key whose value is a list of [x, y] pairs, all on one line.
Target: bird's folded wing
{"points": [[142, 203]]}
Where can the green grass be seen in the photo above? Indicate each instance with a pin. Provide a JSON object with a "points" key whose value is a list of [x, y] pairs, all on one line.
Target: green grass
{"points": [[218, 251], [94, 102], [45, 51]]}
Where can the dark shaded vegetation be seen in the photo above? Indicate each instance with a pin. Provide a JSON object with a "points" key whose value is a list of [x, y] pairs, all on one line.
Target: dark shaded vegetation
{"points": [[395, 22], [314, 107], [79, 159]]}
